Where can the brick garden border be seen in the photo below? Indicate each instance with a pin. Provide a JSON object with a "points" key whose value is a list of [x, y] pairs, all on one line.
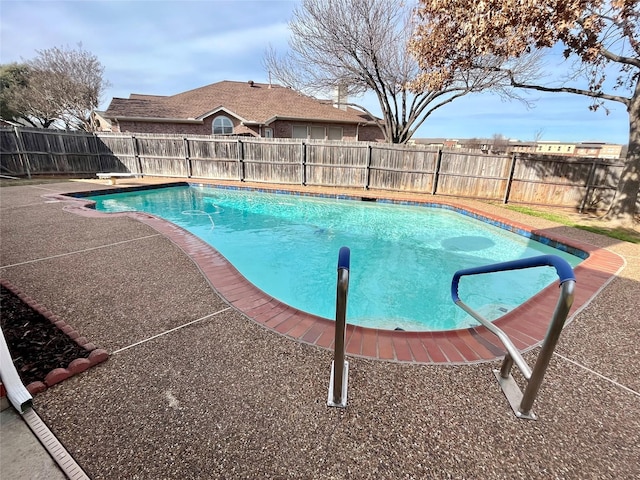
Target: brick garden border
{"points": [[79, 365]]}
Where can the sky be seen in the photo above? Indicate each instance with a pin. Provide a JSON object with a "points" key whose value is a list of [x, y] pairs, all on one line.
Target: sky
{"points": [[168, 47]]}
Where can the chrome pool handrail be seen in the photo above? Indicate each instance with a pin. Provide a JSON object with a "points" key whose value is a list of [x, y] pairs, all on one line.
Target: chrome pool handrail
{"points": [[337, 396], [522, 403]]}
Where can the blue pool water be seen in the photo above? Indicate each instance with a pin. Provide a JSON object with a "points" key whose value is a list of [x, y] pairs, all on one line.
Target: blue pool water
{"points": [[402, 257]]}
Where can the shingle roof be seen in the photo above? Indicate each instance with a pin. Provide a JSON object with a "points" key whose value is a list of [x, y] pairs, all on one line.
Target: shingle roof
{"points": [[251, 102]]}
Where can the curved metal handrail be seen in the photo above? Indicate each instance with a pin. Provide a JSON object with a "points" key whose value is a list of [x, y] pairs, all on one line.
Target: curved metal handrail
{"points": [[563, 269], [522, 403]]}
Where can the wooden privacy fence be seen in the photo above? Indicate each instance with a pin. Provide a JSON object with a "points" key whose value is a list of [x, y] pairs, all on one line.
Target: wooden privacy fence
{"points": [[584, 183]]}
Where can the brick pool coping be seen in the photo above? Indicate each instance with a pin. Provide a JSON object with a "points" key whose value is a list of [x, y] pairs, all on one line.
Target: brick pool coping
{"points": [[525, 325]]}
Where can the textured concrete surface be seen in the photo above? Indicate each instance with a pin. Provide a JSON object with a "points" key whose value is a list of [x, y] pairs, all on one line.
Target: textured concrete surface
{"points": [[22, 457], [225, 398]]}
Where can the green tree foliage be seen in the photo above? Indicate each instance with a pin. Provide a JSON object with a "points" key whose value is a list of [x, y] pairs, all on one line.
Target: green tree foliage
{"points": [[13, 78]]}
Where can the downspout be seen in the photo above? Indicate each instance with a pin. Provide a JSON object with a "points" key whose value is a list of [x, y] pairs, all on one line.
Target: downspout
{"points": [[17, 394]]}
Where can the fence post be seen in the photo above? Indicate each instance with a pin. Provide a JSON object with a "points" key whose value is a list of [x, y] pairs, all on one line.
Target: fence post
{"points": [[303, 163], [368, 176], [588, 185], [136, 154], [512, 168], [22, 152], [436, 173], [187, 156], [241, 172]]}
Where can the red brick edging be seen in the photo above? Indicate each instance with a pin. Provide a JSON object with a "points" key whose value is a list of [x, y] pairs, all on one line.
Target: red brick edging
{"points": [[526, 325], [79, 365]]}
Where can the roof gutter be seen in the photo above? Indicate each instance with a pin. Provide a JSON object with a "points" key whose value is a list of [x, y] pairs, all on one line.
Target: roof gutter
{"points": [[155, 119], [322, 120]]}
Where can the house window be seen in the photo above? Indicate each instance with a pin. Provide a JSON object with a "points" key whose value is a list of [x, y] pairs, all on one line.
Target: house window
{"points": [[335, 133], [268, 132], [317, 133], [299, 132], [222, 126]]}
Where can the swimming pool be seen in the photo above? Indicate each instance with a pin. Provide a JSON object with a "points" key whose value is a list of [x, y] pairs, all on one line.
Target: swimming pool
{"points": [[402, 257]]}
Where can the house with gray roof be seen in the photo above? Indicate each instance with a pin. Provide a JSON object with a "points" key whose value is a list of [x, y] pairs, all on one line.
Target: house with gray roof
{"points": [[241, 108]]}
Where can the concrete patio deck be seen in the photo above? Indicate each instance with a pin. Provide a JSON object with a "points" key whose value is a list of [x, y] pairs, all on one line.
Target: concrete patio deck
{"points": [[224, 397]]}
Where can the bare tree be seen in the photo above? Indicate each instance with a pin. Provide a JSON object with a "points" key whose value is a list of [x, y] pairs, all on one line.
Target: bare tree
{"points": [[499, 143], [59, 85], [361, 46], [73, 79], [537, 136], [601, 41], [475, 143]]}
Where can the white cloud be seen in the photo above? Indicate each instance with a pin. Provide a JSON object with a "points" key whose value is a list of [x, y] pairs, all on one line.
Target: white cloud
{"points": [[243, 41]]}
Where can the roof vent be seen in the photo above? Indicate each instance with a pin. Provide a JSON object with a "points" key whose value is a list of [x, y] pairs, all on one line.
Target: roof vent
{"points": [[250, 83]]}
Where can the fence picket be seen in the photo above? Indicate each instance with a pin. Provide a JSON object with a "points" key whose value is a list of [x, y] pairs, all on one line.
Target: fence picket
{"points": [[517, 178]]}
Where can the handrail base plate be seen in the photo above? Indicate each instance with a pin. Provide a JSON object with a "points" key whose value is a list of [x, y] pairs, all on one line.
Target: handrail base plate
{"points": [[345, 382], [514, 395]]}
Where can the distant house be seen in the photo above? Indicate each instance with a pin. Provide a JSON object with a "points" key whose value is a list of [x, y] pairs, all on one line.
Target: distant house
{"points": [[241, 108], [101, 123], [600, 150], [491, 145], [447, 143], [557, 148]]}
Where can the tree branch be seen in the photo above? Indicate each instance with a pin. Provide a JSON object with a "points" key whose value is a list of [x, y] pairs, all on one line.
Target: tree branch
{"points": [[619, 58], [578, 91]]}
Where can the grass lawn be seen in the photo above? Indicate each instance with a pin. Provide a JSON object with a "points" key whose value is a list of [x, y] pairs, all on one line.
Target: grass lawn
{"points": [[582, 222]]}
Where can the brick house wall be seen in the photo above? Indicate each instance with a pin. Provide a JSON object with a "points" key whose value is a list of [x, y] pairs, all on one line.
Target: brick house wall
{"points": [[281, 128], [350, 131], [159, 127], [204, 128], [370, 133]]}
